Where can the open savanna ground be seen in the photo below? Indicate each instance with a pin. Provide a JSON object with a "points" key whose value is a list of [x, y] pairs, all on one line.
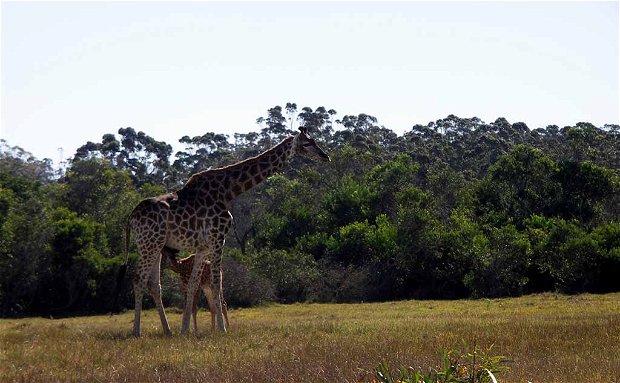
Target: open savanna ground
{"points": [[546, 338]]}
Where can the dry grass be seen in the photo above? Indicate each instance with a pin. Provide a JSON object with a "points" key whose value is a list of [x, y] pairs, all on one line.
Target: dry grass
{"points": [[548, 338]]}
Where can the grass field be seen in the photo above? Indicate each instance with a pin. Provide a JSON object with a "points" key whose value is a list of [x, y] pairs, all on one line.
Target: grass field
{"points": [[547, 338]]}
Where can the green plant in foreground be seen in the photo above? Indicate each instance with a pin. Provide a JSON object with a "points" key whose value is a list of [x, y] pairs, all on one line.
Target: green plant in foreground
{"points": [[477, 366]]}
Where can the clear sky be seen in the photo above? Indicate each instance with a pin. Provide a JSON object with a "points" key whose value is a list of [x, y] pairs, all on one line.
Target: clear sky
{"points": [[74, 71]]}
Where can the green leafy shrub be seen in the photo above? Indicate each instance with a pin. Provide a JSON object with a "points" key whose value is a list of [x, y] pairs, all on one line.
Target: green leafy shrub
{"points": [[476, 366], [501, 265], [291, 273]]}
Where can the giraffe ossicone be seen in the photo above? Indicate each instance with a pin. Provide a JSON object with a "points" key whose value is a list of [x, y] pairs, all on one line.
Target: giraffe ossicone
{"points": [[197, 219]]}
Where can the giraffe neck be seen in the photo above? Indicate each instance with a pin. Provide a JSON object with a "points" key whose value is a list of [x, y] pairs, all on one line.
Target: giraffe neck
{"points": [[251, 172], [224, 184]]}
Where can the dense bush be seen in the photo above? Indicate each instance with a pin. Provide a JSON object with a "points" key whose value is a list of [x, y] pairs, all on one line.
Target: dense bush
{"points": [[455, 208]]}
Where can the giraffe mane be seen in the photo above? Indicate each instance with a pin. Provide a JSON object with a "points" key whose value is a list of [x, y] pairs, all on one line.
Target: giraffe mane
{"points": [[194, 178]]}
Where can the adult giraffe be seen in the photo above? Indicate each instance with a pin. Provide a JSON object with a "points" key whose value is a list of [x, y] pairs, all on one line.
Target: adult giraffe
{"points": [[197, 219]]}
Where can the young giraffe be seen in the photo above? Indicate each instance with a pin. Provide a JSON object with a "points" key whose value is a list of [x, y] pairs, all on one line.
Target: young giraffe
{"points": [[184, 267], [197, 219]]}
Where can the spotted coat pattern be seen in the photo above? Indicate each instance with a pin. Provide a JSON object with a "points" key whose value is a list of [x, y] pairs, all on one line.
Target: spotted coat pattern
{"points": [[197, 219]]}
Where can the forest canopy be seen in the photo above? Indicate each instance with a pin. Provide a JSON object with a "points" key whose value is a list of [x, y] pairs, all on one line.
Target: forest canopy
{"points": [[455, 208]]}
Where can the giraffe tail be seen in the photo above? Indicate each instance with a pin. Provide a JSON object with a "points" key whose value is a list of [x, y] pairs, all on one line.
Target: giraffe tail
{"points": [[170, 260], [122, 270]]}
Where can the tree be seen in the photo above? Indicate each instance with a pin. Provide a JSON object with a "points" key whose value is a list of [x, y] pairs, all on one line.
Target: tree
{"points": [[453, 208], [24, 228], [78, 260], [518, 185], [291, 109], [584, 185], [202, 152], [95, 190], [20, 164], [319, 122], [274, 127], [147, 159], [501, 265]]}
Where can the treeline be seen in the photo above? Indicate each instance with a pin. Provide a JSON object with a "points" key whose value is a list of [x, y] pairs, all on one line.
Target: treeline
{"points": [[452, 209]]}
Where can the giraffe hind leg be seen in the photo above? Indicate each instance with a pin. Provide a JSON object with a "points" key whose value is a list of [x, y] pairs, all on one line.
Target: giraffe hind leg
{"points": [[140, 284], [155, 290], [148, 224], [147, 277], [190, 294], [138, 290]]}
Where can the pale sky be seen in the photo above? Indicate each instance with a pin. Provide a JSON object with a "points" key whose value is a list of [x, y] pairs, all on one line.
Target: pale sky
{"points": [[73, 71]]}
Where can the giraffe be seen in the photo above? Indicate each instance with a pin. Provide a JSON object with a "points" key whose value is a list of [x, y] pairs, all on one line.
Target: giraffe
{"points": [[184, 267], [197, 218]]}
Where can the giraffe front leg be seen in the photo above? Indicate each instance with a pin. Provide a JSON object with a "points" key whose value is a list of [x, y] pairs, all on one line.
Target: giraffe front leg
{"points": [[216, 287], [206, 288], [193, 284], [216, 241], [195, 310], [225, 310]]}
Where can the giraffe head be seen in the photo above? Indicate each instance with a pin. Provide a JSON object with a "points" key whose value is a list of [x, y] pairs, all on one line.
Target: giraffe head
{"points": [[307, 147]]}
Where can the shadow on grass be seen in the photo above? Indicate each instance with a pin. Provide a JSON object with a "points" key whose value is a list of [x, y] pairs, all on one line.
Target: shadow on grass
{"points": [[128, 335], [113, 335]]}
